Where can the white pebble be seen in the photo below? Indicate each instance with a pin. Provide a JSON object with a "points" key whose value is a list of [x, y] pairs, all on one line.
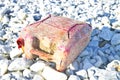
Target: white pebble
{"points": [[19, 64], [37, 77], [28, 73], [111, 66], [51, 74], [82, 74], [3, 66], [38, 66], [15, 53]]}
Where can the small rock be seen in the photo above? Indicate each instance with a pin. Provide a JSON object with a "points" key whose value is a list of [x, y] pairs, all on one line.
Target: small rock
{"points": [[84, 53], [74, 66], [110, 58], [37, 77], [1, 26], [95, 32], [94, 43], [38, 66], [19, 64], [87, 64], [82, 73], [28, 74], [115, 39], [91, 71], [117, 48], [15, 53], [51, 74], [5, 77], [74, 77], [69, 72], [3, 66], [37, 17], [12, 76], [106, 34], [102, 74], [105, 20], [113, 65], [98, 62], [16, 75], [6, 49], [2, 32]]}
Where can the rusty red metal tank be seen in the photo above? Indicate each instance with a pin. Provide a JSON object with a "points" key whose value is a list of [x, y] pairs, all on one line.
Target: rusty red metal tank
{"points": [[55, 38]]}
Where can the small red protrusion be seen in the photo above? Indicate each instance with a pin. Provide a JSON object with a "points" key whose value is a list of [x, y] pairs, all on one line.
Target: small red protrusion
{"points": [[20, 42]]}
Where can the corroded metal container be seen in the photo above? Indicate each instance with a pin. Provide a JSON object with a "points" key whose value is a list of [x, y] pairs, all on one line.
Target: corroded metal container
{"points": [[55, 38]]}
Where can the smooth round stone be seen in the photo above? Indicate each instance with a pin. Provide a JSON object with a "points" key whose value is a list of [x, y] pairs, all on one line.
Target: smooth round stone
{"points": [[37, 17], [115, 39], [38, 77], [74, 77], [51, 74], [19, 64], [38, 66], [5, 77], [3, 66], [15, 53]]}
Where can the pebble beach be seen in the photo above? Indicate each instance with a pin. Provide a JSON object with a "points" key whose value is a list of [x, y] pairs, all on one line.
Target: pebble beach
{"points": [[100, 60]]}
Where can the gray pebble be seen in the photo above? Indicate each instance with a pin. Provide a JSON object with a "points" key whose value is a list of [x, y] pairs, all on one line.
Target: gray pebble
{"points": [[95, 32], [12, 76], [87, 64], [98, 62], [115, 39], [19, 64], [74, 77], [28, 74], [117, 48], [74, 66], [84, 53], [69, 72], [94, 43], [0, 26], [106, 34], [2, 33]]}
